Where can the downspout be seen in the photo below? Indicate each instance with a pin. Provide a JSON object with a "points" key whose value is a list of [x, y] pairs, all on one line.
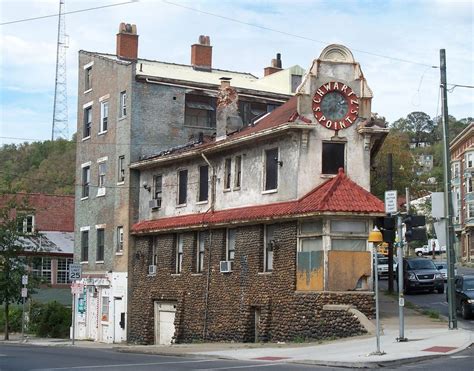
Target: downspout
{"points": [[208, 278]]}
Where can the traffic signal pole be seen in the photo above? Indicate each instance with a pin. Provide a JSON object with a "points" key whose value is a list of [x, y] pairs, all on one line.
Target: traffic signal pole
{"points": [[448, 206]]}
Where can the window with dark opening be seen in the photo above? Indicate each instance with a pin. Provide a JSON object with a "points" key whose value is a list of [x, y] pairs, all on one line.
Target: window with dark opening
{"points": [[238, 171], [182, 187], [157, 189], [250, 111], [203, 183], [227, 173], [271, 169], [87, 122], [333, 157], [200, 111], [100, 244], [84, 246]]}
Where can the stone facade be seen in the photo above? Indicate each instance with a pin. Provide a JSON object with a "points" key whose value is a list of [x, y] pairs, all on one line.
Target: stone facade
{"points": [[215, 306]]}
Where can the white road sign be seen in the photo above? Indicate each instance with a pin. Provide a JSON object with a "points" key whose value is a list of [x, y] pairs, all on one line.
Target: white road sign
{"points": [[24, 280], [24, 292], [77, 288], [391, 202], [75, 272]]}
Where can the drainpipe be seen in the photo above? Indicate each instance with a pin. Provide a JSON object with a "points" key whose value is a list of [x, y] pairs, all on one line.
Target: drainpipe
{"points": [[208, 278]]}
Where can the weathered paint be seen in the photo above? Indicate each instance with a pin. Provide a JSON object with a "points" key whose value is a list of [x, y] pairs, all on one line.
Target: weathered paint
{"points": [[310, 271], [345, 268]]}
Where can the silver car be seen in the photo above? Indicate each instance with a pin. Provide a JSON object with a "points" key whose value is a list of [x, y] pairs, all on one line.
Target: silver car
{"points": [[442, 266]]}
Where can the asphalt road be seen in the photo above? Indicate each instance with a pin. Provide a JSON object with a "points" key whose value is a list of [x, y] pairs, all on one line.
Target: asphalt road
{"points": [[435, 301], [23, 357]]}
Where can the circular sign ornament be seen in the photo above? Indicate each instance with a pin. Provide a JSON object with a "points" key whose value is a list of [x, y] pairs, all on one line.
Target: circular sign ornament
{"points": [[335, 105]]}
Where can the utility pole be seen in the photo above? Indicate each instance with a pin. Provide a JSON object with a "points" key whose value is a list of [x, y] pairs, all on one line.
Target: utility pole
{"points": [[448, 206], [60, 112]]}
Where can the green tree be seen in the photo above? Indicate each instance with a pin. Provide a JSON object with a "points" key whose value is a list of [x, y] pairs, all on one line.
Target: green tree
{"points": [[419, 126], [12, 252]]}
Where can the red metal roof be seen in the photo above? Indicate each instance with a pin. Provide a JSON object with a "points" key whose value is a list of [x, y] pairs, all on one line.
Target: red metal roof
{"points": [[339, 194], [52, 212]]}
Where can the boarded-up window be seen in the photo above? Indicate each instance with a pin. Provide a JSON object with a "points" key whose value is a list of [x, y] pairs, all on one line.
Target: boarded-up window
{"points": [[203, 183], [182, 186], [271, 169], [310, 265], [333, 157]]}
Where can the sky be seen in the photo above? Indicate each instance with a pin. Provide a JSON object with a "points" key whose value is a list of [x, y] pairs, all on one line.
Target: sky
{"points": [[396, 42]]}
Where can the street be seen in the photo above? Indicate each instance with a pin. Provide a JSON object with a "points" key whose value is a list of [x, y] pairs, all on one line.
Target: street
{"points": [[435, 301]]}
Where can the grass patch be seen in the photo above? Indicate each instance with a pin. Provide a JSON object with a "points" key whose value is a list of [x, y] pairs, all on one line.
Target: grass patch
{"points": [[431, 313]]}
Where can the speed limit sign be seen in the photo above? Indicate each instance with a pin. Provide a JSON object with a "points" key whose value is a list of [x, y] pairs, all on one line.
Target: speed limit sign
{"points": [[75, 271]]}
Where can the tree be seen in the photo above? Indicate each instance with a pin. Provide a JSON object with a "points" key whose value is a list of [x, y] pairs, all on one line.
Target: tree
{"points": [[419, 126], [12, 252]]}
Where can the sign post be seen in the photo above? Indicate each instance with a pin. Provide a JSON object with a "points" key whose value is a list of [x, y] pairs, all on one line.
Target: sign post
{"points": [[75, 273], [24, 294]]}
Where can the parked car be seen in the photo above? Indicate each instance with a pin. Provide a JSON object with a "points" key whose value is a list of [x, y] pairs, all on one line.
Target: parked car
{"points": [[464, 295], [443, 268], [382, 266], [420, 274]]}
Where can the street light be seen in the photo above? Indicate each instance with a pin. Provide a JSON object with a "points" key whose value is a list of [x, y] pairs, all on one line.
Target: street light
{"points": [[375, 236]]}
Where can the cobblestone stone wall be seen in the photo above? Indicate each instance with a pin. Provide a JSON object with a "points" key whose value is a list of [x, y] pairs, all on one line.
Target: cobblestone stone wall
{"points": [[234, 300]]}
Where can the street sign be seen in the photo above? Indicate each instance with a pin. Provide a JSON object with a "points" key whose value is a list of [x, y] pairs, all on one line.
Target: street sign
{"points": [[75, 272], [24, 292], [391, 202], [24, 280], [77, 288], [401, 302]]}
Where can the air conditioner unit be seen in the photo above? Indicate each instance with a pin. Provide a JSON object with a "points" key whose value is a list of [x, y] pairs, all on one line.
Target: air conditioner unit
{"points": [[226, 266], [155, 203], [152, 269]]}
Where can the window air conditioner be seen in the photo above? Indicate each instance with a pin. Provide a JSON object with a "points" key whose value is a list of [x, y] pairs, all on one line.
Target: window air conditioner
{"points": [[155, 203], [226, 266], [152, 269]]}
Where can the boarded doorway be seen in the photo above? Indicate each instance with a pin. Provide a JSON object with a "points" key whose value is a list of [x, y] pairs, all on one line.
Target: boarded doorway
{"points": [[165, 313]]}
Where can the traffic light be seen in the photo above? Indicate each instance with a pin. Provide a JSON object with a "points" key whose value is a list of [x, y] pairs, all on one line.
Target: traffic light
{"points": [[415, 228], [386, 225]]}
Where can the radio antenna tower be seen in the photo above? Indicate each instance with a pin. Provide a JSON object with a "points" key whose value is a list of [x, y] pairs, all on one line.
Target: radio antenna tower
{"points": [[60, 114]]}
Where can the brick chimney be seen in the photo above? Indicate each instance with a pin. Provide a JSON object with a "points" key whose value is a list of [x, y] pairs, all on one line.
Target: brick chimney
{"points": [[127, 42], [275, 67], [227, 115], [201, 54]]}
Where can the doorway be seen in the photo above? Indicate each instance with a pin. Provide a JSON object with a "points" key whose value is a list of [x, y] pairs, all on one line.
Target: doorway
{"points": [[165, 313]]}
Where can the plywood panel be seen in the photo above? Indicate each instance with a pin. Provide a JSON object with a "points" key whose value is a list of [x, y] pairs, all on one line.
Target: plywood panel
{"points": [[345, 268]]}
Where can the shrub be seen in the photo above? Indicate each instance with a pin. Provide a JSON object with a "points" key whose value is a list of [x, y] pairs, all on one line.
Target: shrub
{"points": [[50, 320], [14, 318]]}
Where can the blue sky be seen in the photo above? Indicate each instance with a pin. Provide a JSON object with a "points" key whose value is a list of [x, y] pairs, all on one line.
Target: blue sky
{"points": [[408, 30]]}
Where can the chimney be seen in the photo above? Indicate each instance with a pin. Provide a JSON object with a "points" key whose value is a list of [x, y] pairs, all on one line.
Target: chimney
{"points": [[227, 115], [275, 67], [127, 42], [201, 54]]}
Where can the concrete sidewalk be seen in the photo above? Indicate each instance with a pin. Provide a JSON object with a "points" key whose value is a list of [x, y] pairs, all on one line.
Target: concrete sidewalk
{"points": [[427, 338]]}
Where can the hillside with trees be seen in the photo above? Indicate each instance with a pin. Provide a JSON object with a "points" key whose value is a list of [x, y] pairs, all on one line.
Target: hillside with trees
{"points": [[38, 167]]}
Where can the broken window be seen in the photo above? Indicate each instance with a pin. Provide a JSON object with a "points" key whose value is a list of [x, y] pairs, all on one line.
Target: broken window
{"points": [[227, 173], [200, 111], [203, 183], [333, 157], [271, 169], [182, 186]]}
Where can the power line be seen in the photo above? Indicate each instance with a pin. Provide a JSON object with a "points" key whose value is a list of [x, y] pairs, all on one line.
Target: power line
{"points": [[71, 12], [295, 35]]}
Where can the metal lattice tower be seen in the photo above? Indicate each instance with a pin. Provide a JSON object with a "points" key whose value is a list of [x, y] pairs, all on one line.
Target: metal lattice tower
{"points": [[60, 113]]}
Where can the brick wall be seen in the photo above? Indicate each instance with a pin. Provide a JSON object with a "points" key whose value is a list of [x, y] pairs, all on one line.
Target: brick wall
{"points": [[233, 298]]}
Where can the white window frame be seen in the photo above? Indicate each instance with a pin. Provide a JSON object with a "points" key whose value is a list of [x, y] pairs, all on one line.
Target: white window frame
{"points": [[85, 183], [264, 180], [469, 184], [469, 160], [121, 169], [25, 223], [229, 247], [64, 272], [104, 117], [105, 307], [200, 251], [237, 172], [227, 173], [268, 247], [119, 240], [123, 104], [179, 253], [102, 173], [88, 77], [455, 172]]}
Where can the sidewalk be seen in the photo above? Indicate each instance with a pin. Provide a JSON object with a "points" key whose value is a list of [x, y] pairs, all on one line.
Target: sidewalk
{"points": [[427, 338]]}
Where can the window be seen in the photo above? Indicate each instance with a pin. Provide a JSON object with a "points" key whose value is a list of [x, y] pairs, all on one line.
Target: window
{"points": [[62, 274], [468, 185], [105, 309], [121, 169], [469, 159], [348, 226], [203, 183], [349, 235], [227, 173], [86, 180], [179, 253], [26, 224], [87, 122], [250, 111], [41, 268], [238, 171], [295, 82], [119, 239], [157, 188], [154, 251], [333, 157], [100, 244], [271, 169], [200, 252], [123, 104], [182, 187], [101, 180], [230, 250], [87, 78], [200, 111], [84, 246], [470, 210], [455, 170], [268, 248], [104, 116]]}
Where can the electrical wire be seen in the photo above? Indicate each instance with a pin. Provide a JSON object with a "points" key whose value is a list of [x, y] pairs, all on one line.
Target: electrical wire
{"points": [[70, 12]]}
